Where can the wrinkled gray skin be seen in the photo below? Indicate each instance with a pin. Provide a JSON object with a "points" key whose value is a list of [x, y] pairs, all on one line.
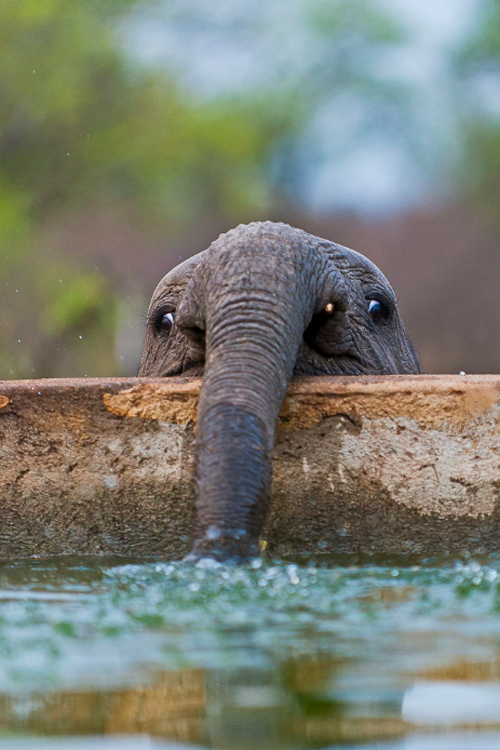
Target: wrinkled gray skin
{"points": [[262, 303]]}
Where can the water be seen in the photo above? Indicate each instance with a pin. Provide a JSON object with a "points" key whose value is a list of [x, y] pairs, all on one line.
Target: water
{"points": [[334, 653]]}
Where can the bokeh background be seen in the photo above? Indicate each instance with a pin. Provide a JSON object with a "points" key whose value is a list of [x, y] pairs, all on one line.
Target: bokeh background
{"points": [[133, 132]]}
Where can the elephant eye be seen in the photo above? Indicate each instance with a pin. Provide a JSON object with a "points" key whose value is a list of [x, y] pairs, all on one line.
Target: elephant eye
{"points": [[378, 310], [165, 322]]}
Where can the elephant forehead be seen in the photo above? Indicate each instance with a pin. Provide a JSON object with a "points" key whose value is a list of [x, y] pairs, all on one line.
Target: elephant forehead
{"points": [[184, 270], [354, 263], [175, 280]]}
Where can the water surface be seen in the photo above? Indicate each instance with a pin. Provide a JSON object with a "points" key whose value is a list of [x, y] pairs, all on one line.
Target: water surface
{"points": [[319, 654]]}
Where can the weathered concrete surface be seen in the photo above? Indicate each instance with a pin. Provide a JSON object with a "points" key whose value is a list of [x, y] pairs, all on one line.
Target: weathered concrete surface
{"points": [[393, 464]]}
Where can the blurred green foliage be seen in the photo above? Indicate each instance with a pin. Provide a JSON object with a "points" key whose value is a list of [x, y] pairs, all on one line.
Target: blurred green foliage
{"points": [[84, 126], [478, 70], [80, 126]]}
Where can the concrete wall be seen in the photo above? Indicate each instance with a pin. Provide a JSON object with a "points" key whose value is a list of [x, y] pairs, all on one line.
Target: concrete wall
{"points": [[395, 464]]}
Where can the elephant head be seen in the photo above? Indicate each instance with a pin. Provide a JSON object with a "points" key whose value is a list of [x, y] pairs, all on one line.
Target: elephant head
{"points": [[262, 303]]}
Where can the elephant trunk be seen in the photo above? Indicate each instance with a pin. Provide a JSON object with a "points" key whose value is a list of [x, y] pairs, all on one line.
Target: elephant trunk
{"points": [[254, 320]]}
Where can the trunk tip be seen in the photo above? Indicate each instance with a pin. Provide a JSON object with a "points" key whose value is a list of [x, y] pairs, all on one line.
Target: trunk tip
{"points": [[224, 545]]}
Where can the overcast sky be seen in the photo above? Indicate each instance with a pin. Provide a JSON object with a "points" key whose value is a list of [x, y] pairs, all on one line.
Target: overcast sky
{"points": [[380, 174], [383, 177]]}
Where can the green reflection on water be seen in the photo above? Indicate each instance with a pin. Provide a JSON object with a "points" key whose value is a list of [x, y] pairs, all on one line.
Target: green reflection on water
{"points": [[274, 655]]}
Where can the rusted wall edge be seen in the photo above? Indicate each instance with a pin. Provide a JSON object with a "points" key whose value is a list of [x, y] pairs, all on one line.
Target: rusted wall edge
{"points": [[430, 400], [167, 401]]}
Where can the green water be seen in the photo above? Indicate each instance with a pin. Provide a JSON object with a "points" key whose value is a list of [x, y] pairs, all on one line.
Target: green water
{"points": [[336, 653]]}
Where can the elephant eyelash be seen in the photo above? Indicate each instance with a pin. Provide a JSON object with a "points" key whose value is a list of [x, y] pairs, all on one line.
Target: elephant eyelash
{"points": [[387, 306], [158, 319]]}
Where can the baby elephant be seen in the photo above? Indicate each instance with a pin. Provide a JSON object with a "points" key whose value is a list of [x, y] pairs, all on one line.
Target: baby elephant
{"points": [[262, 303]]}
